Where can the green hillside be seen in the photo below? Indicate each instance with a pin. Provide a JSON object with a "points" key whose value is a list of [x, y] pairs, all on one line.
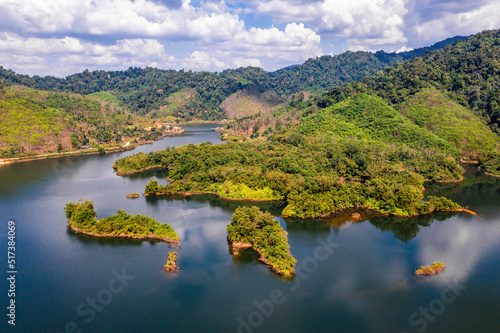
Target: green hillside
{"points": [[450, 121], [34, 122], [370, 117], [470, 70]]}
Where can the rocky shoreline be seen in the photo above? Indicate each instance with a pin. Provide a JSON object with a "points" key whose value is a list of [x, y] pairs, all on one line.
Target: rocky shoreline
{"points": [[150, 237], [237, 247]]}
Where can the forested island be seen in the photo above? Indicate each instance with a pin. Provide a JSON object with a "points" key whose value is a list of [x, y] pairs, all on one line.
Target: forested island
{"points": [[82, 218], [252, 228]]}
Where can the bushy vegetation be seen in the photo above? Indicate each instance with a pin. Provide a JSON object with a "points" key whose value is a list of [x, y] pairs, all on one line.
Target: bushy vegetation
{"points": [[490, 162], [314, 175], [469, 70], [34, 122], [435, 268], [83, 218], [250, 225], [171, 265], [450, 121], [369, 116]]}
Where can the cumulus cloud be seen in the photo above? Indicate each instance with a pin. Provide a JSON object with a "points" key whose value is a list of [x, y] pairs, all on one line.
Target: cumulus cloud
{"points": [[286, 11], [201, 60], [428, 24], [271, 47], [366, 24], [140, 18], [213, 34], [62, 56]]}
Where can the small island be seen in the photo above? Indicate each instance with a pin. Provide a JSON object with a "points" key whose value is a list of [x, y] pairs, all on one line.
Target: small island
{"points": [[133, 195], [252, 228], [171, 265], [433, 269], [83, 219]]}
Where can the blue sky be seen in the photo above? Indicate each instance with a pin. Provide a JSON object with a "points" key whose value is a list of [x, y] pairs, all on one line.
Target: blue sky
{"points": [[52, 37]]}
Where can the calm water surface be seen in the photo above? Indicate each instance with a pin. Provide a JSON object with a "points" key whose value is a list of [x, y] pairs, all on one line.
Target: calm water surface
{"points": [[352, 277]]}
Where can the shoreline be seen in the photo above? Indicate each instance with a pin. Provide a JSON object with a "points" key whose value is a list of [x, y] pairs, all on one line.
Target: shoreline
{"points": [[490, 174], [361, 208], [236, 248], [126, 173], [78, 152], [162, 239], [188, 194], [355, 208]]}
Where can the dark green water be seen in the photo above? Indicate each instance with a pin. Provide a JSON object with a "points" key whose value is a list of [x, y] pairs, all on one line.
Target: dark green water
{"points": [[357, 278]]}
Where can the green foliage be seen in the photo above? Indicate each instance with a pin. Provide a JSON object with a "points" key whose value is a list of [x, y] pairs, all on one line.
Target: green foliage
{"points": [[369, 116], [105, 96], [450, 121], [82, 216], [171, 265], [469, 70], [314, 176], [25, 123], [34, 121], [441, 203], [250, 225], [490, 162], [435, 268]]}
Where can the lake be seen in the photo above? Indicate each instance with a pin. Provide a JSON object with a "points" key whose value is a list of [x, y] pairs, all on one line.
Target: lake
{"points": [[351, 276]]}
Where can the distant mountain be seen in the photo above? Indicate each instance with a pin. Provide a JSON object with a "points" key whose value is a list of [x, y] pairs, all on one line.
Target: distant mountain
{"points": [[469, 70], [158, 93], [420, 52]]}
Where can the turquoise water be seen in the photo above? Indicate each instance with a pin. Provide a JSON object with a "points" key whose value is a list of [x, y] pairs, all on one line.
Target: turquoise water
{"points": [[351, 277]]}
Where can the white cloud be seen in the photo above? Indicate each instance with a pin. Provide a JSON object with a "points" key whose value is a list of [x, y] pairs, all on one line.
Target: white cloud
{"points": [[12, 42], [460, 250], [200, 60], [211, 35], [245, 62], [140, 18], [63, 56], [272, 47], [447, 24], [366, 24], [285, 11]]}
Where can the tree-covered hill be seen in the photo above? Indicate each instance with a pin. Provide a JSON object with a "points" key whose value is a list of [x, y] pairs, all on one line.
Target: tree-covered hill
{"points": [[35, 121], [155, 91], [469, 70], [450, 121], [366, 116]]}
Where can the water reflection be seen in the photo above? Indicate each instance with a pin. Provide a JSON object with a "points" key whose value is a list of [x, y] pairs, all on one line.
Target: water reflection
{"points": [[406, 229], [461, 243], [366, 284]]}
